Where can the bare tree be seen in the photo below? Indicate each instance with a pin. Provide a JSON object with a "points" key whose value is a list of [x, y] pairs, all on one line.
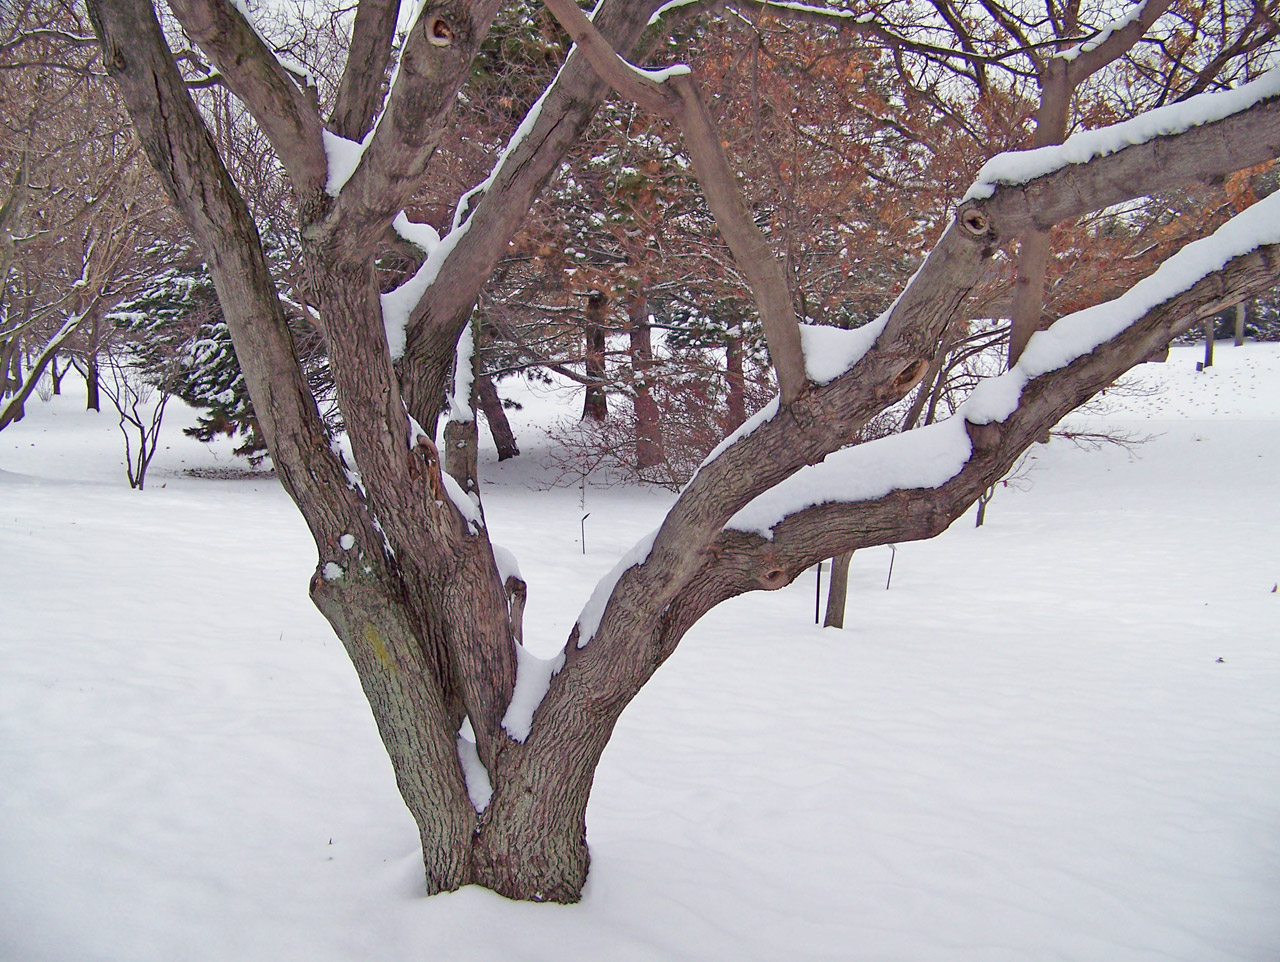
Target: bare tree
{"points": [[77, 199], [407, 575], [139, 401]]}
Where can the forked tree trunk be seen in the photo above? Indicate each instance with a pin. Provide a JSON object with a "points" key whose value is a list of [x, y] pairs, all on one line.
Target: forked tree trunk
{"points": [[405, 571], [529, 842]]}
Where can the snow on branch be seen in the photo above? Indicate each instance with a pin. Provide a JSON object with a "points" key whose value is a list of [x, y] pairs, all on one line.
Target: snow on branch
{"points": [[593, 612], [533, 678], [398, 304], [1131, 15], [931, 456], [1018, 167], [343, 157], [460, 411], [830, 351]]}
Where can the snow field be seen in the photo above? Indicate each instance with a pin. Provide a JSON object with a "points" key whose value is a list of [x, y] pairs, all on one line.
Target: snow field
{"points": [[1025, 749]]}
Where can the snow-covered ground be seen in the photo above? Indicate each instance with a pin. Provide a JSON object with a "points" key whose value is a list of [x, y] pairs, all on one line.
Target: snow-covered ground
{"points": [[1056, 737]]}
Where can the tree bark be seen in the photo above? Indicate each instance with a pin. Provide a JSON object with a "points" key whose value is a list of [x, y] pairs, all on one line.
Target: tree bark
{"points": [[504, 439], [736, 383], [462, 434], [92, 382], [649, 452], [406, 574], [595, 406], [1027, 315]]}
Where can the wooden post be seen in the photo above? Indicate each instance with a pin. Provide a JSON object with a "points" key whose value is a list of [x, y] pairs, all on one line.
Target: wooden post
{"points": [[1239, 324], [1208, 342], [838, 590]]}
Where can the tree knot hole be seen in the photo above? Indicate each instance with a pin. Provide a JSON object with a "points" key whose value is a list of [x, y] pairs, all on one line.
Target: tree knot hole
{"points": [[975, 222], [910, 376], [773, 579], [439, 33]]}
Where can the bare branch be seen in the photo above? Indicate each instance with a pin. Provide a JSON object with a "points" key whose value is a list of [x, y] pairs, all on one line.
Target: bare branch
{"points": [[1113, 41], [184, 155], [751, 250]]}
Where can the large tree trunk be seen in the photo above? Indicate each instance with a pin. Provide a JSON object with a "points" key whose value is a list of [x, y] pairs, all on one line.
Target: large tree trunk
{"points": [[406, 574], [10, 365]]}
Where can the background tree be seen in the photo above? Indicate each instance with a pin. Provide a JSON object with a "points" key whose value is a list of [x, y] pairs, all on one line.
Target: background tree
{"points": [[78, 203], [493, 751]]}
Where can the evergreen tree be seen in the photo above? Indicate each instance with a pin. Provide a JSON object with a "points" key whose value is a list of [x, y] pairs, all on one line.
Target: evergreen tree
{"points": [[176, 330]]}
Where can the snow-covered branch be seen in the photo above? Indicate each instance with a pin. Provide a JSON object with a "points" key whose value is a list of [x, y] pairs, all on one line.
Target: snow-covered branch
{"points": [[776, 446], [931, 456]]}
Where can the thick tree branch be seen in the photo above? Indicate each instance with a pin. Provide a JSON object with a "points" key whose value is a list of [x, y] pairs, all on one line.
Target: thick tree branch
{"points": [[252, 72], [631, 83], [183, 153], [1059, 78], [741, 561], [828, 416], [438, 51], [485, 229], [368, 56], [1113, 41]]}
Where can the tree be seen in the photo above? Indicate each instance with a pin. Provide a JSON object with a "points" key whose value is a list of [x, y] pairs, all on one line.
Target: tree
{"points": [[429, 611]]}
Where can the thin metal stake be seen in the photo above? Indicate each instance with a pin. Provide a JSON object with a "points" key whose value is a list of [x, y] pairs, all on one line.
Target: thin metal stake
{"points": [[892, 558], [817, 595], [583, 524]]}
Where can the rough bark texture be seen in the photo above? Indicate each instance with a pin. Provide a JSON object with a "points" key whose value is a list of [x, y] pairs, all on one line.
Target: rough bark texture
{"points": [[92, 384], [405, 571], [736, 382], [1059, 78]]}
